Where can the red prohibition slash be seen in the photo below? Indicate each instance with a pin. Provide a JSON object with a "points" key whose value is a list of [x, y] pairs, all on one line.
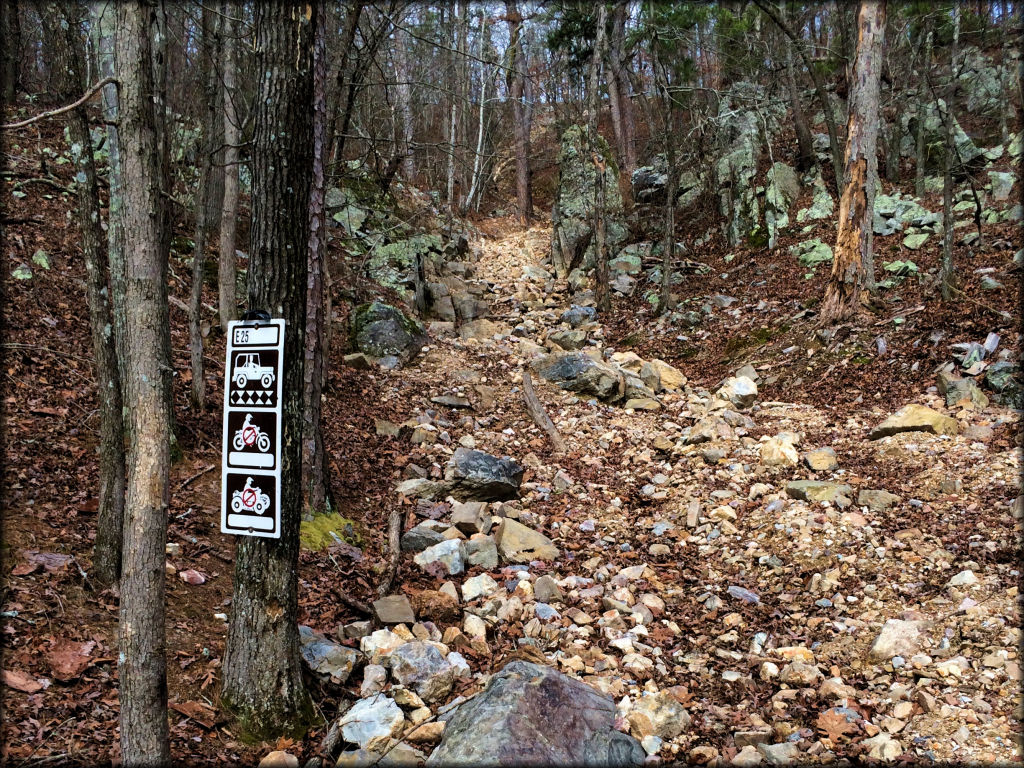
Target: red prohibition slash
{"points": [[249, 436], [249, 498]]}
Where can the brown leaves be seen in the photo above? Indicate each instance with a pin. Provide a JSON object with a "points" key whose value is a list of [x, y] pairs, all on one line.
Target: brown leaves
{"points": [[836, 723], [202, 713], [21, 681], [34, 560], [67, 659]]}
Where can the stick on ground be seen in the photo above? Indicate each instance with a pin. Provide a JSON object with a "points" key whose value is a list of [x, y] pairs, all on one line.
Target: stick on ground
{"points": [[539, 415]]}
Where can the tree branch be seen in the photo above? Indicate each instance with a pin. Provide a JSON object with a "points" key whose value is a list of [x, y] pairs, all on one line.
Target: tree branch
{"points": [[54, 112]]}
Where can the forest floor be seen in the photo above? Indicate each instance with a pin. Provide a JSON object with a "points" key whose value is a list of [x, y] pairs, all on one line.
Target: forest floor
{"points": [[639, 516]]}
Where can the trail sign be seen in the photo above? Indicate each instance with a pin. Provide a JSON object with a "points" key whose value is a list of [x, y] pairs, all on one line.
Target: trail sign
{"points": [[251, 457]]}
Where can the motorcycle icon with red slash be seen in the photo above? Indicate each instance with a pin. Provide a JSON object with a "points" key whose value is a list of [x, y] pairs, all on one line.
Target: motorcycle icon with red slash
{"points": [[249, 435], [250, 499]]}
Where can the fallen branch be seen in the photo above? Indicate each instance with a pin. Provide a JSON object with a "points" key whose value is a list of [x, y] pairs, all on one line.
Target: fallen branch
{"points": [[539, 415], [188, 481], [395, 547], [54, 112], [352, 602]]}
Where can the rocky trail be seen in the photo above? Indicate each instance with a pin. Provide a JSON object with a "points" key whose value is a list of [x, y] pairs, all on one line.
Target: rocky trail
{"points": [[736, 581]]}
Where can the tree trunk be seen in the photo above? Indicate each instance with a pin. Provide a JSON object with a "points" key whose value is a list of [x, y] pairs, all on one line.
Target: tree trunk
{"points": [[313, 458], [103, 27], [919, 160], [10, 33], [853, 264], [227, 269], [403, 106], [947, 275], [520, 113], [344, 90], [853, 241], [626, 133], [819, 89], [63, 44], [453, 106], [146, 358], [209, 53], [263, 687], [805, 144], [476, 180], [602, 289]]}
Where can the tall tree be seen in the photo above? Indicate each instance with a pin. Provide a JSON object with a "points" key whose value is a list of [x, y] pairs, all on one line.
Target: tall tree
{"points": [[618, 91], [209, 54], [67, 59], [263, 685], [227, 303], [517, 74], [853, 241], [314, 459], [147, 365], [10, 33], [603, 290]]}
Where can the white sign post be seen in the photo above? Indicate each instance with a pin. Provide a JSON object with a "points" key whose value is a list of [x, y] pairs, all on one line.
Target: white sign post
{"points": [[251, 458]]}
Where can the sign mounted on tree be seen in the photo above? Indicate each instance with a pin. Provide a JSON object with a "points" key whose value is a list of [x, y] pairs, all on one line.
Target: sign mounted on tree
{"points": [[251, 458]]}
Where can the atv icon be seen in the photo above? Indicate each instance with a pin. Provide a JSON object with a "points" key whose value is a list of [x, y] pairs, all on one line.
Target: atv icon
{"points": [[250, 499], [247, 368], [249, 435]]}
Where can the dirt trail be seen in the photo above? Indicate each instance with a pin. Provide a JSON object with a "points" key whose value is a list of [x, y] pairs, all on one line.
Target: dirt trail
{"points": [[761, 604]]}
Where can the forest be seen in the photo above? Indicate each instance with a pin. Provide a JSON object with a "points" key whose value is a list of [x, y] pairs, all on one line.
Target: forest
{"points": [[507, 383]]}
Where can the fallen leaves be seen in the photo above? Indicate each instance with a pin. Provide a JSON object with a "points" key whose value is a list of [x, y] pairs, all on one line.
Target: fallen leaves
{"points": [[202, 713], [21, 681], [67, 659]]}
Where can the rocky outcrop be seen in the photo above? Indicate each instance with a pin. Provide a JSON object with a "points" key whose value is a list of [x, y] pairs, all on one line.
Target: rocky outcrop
{"points": [[530, 714], [572, 216], [381, 330], [783, 188]]}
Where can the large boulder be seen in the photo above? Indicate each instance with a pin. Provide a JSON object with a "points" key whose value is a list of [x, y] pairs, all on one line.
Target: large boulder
{"points": [[577, 372], [573, 211], [478, 476], [380, 330], [735, 172], [519, 544], [530, 714], [394, 265]]}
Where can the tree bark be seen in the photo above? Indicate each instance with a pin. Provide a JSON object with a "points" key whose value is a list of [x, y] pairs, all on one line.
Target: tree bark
{"points": [[947, 275], [602, 289], [819, 89], [805, 144], [227, 265], [403, 106], [142, 661], [476, 178], [619, 88], [919, 161], [263, 687], [10, 33], [209, 53], [520, 112], [64, 46], [313, 458], [853, 241]]}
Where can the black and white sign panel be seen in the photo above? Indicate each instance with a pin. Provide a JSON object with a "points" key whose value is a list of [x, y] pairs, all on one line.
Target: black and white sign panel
{"points": [[251, 457]]}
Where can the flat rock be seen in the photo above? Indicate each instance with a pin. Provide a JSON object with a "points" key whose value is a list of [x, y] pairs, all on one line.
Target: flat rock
{"points": [[821, 459], [519, 544], [394, 609], [530, 714], [423, 535], [915, 418], [815, 490], [477, 476], [877, 501]]}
